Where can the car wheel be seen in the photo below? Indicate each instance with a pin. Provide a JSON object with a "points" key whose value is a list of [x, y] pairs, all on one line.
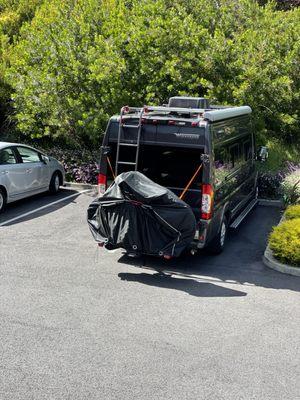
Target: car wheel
{"points": [[2, 200], [54, 183], [217, 245]]}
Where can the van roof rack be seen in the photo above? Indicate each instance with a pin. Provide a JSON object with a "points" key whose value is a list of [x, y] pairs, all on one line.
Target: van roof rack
{"points": [[210, 114]]}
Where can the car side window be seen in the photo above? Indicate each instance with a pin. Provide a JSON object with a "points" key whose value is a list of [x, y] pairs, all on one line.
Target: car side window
{"points": [[28, 155], [7, 157]]}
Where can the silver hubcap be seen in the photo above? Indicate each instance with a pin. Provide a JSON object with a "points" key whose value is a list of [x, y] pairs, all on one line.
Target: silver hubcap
{"points": [[56, 182], [223, 233], [1, 201]]}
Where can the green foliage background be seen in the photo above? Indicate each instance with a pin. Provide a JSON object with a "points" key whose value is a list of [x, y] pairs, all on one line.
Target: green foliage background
{"points": [[67, 65]]}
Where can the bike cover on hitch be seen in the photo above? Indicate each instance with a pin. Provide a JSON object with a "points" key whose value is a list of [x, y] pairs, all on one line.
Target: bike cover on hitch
{"points": [[142, 217]]}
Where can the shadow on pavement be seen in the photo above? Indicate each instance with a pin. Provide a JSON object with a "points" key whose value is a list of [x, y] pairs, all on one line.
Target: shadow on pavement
{"points": [[31, 206], [240, 263], [190, 286]]}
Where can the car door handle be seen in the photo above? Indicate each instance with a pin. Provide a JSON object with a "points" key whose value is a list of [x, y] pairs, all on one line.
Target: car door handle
{"points": [[28, 170], [4, 172]]}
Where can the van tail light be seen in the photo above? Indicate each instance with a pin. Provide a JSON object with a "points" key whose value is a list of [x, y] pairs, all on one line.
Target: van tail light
{"points": [[101, 184], [207, 201]]}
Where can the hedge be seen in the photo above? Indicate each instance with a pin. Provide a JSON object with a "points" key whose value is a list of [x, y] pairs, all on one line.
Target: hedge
{"points": [[284, 241], [292, 212]]}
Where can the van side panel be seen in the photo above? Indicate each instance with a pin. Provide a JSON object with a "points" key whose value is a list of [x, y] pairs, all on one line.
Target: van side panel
{"points": [[233, 163]]}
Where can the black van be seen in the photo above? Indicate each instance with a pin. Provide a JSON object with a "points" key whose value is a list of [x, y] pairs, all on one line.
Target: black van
{"points": [[203, 153]]}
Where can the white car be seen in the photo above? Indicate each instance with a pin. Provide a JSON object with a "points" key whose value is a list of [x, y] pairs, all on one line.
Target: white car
{"points": [[25, 171]]}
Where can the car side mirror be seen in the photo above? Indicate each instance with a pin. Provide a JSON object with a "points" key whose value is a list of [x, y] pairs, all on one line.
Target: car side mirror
{"points": [[45, 159], [262, 154]]}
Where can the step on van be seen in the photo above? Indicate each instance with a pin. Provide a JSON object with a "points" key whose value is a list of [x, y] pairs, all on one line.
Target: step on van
{"points": [[204, 154]]}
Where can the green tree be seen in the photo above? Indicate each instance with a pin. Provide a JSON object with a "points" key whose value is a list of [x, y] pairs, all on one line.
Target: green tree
{"points": [[76, 62], [64, 72], [13, 13]]}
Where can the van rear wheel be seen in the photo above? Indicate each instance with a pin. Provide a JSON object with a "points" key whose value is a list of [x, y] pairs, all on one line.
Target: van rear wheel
{"points": [[217, 245]]}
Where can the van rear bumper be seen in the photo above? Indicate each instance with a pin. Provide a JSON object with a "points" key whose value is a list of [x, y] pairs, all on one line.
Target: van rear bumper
{"points": [[200, 235], [206, 229]]}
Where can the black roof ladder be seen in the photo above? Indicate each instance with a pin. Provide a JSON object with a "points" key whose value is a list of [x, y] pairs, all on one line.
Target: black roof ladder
{"points": [[138, 112]]}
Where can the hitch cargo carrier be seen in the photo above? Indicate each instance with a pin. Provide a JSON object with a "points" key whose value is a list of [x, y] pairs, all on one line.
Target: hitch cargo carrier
{"points": [[142, 217]]}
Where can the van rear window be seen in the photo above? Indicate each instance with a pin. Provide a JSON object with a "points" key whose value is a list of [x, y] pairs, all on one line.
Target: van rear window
{"points": [[169, 166]]}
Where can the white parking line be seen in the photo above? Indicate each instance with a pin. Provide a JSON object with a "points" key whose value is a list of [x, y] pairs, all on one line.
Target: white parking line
{"points": [[43, 207]]}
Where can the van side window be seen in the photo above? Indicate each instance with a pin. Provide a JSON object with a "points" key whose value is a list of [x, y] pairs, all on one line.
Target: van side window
{"points": [[227, 160], [234, 154], [223, 164], [247, 150]]}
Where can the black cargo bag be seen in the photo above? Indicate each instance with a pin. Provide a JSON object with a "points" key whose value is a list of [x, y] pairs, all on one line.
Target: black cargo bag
{"points": [[141, 217]]}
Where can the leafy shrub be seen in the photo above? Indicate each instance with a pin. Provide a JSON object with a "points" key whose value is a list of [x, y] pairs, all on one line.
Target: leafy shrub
{"points": [[80, 165], [77, 62], [285, 242], [269, 185], [275, 185], [292, 212], [291, 187]]}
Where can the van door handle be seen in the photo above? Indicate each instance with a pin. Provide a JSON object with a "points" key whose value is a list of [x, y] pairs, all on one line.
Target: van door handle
{"points": [[28, 171], [4, 172]]}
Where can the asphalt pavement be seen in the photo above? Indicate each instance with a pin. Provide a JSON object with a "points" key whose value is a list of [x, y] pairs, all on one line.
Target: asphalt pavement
{"points": [[78, 322]]}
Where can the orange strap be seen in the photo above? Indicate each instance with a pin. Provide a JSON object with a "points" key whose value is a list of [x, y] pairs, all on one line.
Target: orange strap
{"points": [[184, 190], [111, 169], [190, 182]]}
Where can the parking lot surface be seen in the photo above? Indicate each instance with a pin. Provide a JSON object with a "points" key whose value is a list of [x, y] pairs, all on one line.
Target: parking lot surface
{"points": [[78, 322]]}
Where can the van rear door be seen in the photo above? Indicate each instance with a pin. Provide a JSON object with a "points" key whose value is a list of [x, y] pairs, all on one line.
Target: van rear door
{"points": [[170, 167]]}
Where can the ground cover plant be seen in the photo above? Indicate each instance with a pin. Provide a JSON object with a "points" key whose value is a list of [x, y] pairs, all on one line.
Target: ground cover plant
{"points": [[292, 212], [291, 187], [284, 241]]}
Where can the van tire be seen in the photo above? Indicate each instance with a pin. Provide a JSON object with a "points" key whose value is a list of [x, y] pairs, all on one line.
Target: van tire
{"points": [[2, 200], [216, 246], [54, 183]]}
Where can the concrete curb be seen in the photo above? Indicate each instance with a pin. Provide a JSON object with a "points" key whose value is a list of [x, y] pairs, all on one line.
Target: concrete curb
{"points": [[80, 186], [271, 262], [270, 203]]}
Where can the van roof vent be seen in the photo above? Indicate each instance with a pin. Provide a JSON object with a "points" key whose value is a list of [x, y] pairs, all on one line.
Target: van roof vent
{"points": [[188, 102]]}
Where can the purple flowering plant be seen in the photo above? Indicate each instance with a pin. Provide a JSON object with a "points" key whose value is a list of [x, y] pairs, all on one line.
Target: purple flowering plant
{"points": [[274, 186], [81, 166]]}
